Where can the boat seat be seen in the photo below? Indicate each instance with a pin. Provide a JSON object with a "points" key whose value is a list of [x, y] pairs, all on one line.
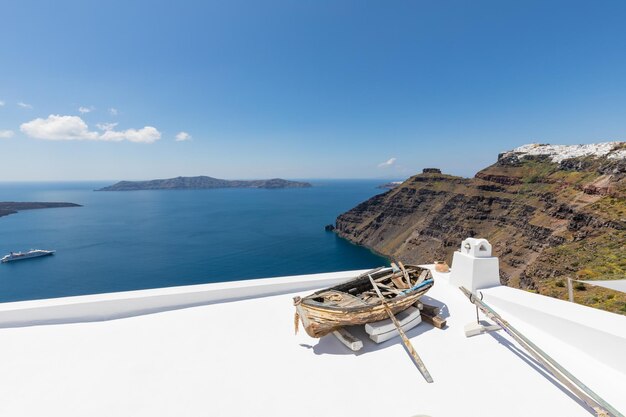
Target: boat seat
{"points": [[341, 299]]}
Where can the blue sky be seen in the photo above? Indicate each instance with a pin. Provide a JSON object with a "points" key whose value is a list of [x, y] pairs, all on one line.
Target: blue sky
{"points": [[301, 89]]}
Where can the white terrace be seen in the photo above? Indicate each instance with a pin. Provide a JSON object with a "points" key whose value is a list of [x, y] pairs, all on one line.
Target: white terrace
{"points": [[228, 349]]}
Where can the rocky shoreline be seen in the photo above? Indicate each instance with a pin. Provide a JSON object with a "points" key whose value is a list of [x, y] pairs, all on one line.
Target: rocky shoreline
{"points": [[12, 207]]}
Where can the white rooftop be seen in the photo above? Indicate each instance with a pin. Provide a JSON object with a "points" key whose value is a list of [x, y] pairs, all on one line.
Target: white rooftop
{"points": [[558, 153], [241, 358]]}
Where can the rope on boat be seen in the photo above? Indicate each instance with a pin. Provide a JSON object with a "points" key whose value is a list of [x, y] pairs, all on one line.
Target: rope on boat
{"points": [[296, 317], [593, 400]]}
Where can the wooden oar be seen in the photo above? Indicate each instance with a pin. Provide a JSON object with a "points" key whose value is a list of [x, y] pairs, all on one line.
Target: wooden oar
{"points": [[406, 274], [407, 343]]}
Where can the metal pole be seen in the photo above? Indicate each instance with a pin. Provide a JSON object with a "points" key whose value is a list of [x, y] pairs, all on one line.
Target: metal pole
{"points": [[601, 407], [570, 290]]}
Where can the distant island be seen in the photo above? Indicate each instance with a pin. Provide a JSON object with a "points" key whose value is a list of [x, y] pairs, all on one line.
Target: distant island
{"points": [[12, 207], [202, 182]]}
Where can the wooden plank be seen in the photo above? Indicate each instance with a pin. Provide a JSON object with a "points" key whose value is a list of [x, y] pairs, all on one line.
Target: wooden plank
{"points": [[406, 274], [422, 277], [345, 337], [399, 283], [369, 298], [405, 340], [388, 288], [437, 321], [430, 309], [386, 277]]}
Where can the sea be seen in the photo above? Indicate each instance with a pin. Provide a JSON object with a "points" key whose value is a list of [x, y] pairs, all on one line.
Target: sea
{"points": [[119, 241]]}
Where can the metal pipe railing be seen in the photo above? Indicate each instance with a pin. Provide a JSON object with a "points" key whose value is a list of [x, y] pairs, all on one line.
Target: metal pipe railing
{"points": [[593, 400]]}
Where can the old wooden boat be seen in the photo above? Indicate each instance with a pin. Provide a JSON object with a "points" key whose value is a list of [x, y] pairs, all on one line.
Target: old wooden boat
{"points": [[355, 302]]}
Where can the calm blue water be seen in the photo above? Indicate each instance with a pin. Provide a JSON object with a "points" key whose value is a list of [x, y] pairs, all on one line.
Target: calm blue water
{"points": [[146, 239]]}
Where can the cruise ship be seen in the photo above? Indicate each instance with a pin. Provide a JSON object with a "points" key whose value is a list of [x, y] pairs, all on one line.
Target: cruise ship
{"points": [[33, 253]]}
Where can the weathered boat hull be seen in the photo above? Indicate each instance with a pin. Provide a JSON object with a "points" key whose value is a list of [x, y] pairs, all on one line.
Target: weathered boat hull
{"points": [[320, 320]]}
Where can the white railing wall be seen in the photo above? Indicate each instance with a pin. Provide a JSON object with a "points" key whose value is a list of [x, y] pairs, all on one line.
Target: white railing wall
{"points": [[110, 306]]}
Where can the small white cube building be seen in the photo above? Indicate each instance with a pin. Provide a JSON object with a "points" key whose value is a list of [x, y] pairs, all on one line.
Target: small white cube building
{"points": [[473, 266]]}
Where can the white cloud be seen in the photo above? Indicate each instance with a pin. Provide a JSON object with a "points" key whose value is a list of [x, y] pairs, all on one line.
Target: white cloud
{"points": [[57, 127], [83, 109], [113, 111], [1, 103], [387, 163], [147, 134], [106, 126], [24, 105], [183, 136], [6, 134]]}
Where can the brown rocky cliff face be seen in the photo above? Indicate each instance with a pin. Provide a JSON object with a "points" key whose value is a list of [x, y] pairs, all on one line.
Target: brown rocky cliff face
{"points": [[532, 210]]}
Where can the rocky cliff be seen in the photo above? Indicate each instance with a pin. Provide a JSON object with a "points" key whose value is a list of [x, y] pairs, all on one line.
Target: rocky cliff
{"points": [[550, 212]]}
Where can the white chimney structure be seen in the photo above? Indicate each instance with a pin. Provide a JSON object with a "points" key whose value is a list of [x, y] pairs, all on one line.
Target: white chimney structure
{"points": [[473, 267]]}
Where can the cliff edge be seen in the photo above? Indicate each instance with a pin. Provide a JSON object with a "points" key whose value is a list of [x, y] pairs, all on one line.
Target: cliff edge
{"points": [[550, 211]]}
